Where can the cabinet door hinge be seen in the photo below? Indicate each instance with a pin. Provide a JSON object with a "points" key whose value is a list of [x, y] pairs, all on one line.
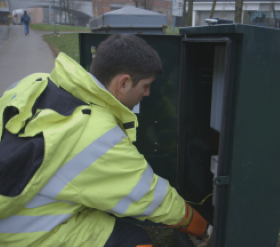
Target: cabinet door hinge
{"points": [[222, 180]]}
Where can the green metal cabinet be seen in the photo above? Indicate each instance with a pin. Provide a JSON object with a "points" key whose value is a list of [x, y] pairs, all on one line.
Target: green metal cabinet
{"points": [[219, 96]]}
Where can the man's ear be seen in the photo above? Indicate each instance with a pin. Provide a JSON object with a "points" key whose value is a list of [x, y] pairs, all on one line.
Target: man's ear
{"points": [[124, 83], [119, 85]]}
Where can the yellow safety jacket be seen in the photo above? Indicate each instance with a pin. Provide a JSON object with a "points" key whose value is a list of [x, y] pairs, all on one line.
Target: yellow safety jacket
{"points": [[67, 161]]}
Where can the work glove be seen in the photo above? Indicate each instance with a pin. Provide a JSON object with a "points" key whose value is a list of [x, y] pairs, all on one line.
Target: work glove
{"points": [[195, 225]]}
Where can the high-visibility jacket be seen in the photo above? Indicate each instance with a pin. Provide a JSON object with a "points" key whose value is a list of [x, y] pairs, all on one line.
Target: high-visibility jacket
{"points": [[67, 161]]}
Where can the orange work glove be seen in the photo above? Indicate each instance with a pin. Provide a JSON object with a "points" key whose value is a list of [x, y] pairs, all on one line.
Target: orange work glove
{"points": [[192, 223]]}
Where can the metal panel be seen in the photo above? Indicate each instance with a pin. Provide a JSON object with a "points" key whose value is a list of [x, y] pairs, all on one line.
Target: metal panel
{"points": [[248, 212], [218, 87], [253, 218]]}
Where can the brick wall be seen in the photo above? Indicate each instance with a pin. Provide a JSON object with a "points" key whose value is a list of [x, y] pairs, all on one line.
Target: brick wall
{"points": [[36, 15], [164, 7]]}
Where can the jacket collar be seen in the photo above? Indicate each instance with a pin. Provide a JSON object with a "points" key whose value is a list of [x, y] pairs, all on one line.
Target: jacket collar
{"points": [[69, 75], [98, 82]]}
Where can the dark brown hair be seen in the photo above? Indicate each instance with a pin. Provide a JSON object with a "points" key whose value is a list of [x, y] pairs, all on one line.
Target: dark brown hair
{"points": [[128, 54]]}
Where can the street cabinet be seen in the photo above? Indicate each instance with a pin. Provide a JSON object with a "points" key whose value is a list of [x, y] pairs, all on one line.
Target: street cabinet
{"points": [[212, 125], [129, 20]]}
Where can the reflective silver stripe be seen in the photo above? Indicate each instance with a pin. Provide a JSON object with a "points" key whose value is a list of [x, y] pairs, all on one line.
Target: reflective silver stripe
{"points": [[82, 161], [140, 189], [159, 194], [41, 200], [26, 224]]}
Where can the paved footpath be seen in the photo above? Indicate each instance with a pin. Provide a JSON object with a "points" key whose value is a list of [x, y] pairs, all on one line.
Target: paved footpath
{"points": [[4, 33], [22, 55]]}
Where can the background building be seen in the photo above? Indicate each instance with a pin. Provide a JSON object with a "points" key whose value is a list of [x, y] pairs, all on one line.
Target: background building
{"points": [[69, 12], [255, 12], [79, 12], [4, 12]]}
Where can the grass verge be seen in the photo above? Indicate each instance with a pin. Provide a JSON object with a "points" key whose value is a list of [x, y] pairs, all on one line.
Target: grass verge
{"points": [[170, 30], [67, 43], [59, 28]]}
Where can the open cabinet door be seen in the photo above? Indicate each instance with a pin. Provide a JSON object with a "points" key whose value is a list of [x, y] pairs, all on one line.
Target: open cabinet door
{"points": [[205, 123]]}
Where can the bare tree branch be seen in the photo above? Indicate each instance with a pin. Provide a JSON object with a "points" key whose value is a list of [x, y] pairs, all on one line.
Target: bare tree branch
{"points": [[238, 11], [147, 4], [274, 13], [213, 8], [136, 3], [184, 13], [190, 13]]}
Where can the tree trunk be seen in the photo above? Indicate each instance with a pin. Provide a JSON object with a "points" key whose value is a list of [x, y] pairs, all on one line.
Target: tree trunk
{"points": [[69, 13], [150, 4], [67, 8], [190, 13], [213, 8], [136, 3], [64, 12], [274, 13], [184, 13], [60, 12], [238, 11]]}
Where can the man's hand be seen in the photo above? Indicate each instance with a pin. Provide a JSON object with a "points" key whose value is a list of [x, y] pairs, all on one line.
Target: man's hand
{"points": [[204, 240]]}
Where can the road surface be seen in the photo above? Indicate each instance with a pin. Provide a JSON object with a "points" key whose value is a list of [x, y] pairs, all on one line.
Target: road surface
{"points": [[23, 55]]}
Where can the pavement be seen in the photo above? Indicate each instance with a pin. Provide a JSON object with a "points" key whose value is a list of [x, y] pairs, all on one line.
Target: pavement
{"points": [[4, 33], [22, 55]]}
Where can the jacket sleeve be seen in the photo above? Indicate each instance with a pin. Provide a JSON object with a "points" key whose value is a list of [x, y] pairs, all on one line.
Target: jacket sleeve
{"points": [[121, 182]]}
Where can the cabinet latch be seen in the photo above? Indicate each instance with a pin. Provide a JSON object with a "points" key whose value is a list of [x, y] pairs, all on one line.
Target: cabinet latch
{"points": [[222, 180]]}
